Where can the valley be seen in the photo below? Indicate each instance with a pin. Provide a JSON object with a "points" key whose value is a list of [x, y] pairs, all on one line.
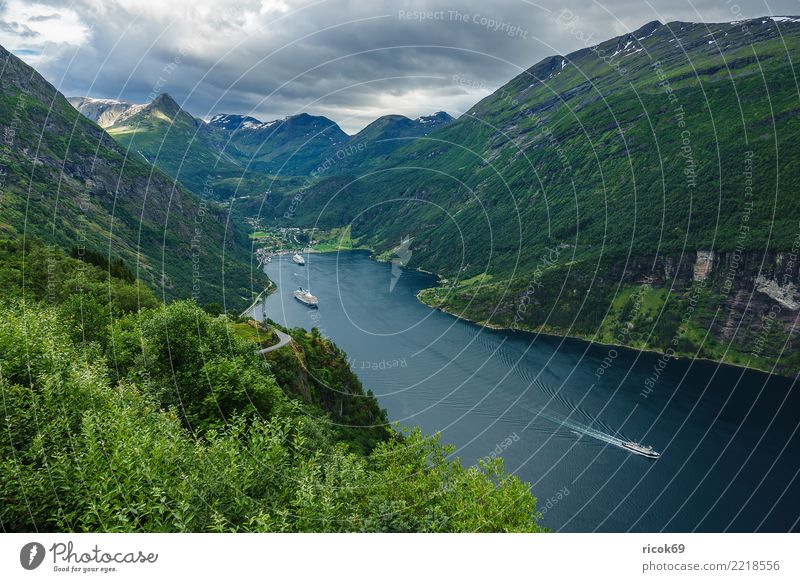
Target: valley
{"points": [[555, 202], [223, 310]]}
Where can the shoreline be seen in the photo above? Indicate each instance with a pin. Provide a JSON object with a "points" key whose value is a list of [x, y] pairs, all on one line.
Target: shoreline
{"points": [[273, 286], [550, 334], [268, 290]]}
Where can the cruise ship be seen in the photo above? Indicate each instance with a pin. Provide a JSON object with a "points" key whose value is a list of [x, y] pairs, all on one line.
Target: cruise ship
{"points": [[641, 450], [298, 259], [305, 297]]}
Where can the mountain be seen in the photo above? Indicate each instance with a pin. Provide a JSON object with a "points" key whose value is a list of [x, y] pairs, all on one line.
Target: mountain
{"points": [[104, 112], [230, 156], [66, 181], [437, 119], [596, 193], [297, 145], [391, 127], [386, 134], [292, 146], [186, 148], [239, 156]]}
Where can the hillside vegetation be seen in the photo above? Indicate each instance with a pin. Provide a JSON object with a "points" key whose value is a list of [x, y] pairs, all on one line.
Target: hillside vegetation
{"points": [[66, 181], [124, 415]]}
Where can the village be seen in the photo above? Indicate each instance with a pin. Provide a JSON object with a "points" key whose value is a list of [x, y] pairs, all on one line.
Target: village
{"points": [[269, 241]]}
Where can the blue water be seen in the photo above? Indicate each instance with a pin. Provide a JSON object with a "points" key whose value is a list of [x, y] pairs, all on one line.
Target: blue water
{"points": [[728, 437]]}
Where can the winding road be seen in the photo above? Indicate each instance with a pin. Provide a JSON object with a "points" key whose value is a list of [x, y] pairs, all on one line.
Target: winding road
{"points": [[284, 339]]}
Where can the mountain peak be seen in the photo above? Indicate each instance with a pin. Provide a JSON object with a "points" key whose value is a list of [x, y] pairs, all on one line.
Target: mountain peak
{"points": [[437, 118], [165, 104], [233, 121], [164, 98], [306, 118], [647, 29]]}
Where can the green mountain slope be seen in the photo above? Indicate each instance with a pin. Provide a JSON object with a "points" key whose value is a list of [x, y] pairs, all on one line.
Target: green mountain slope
{"points": [[66, 181], [597, 170], [293, 146], [186, 148], [376, 141], [232, 156]]}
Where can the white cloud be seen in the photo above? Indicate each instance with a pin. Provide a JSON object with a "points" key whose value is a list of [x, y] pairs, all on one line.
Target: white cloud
{"points": [[32, 28]]}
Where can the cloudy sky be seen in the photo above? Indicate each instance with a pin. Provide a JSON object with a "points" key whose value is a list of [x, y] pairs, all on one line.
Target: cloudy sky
{"points": [[351, 60]]}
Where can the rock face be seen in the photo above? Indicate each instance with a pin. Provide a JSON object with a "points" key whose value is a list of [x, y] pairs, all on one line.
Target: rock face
{"points": [[659, 270], [758, 309], [703, 264], [786, 296], [755, 296], [104, 112]]}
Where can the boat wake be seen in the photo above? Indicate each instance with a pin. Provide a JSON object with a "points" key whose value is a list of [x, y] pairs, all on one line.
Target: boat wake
{"points": [[592, 427], [580, 422], [617, 440], [583, 430], [583, 425]]}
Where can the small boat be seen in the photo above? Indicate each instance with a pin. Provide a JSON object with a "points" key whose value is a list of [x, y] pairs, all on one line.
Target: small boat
{"points": [[306, 298], [641, 450], [298, 259]]}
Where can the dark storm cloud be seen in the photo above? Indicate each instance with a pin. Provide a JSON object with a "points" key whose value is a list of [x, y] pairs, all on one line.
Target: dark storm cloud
{"points": [[349, 60]]}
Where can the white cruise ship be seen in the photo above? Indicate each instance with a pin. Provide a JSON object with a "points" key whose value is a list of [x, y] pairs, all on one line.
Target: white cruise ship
{"points": [[305, 297], [641, 450]]}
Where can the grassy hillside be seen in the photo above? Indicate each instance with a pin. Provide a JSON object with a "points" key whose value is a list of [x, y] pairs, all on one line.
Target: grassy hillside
{"points": [[185, 148], [66, 181], [247, 160], [294, 146], [373, 144], [145, 417]]}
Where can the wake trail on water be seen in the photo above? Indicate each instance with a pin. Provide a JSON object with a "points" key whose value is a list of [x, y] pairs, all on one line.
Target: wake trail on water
{"points": [[602, 433], [584, 425], [584, 430]]}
